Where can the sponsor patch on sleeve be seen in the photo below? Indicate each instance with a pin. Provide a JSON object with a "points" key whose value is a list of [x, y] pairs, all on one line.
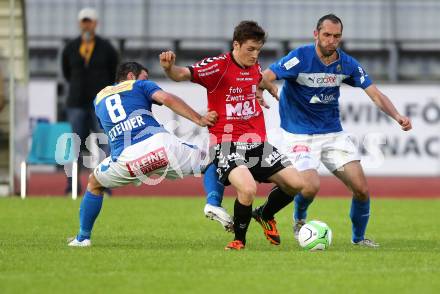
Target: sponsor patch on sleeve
{"points": [[291, 63]]}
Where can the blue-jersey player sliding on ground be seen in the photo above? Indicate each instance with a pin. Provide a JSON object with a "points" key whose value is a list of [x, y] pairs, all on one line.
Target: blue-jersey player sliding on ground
{"points": [[140, 146], [309, 113]]}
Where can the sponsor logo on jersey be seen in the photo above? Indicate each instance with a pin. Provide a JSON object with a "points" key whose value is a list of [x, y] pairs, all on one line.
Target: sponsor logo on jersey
{"points": [[235, 95], [209, 70], [234, 98], [273, 158], [235, 90], [315, 99], [246, 145], [245, 106], [363, 75], [242, 110], [247, 79], [322, 99], [338, 68], [291, 63], [148, 163], [318, 80], [110, 90], [234, 156], [208, 73]]}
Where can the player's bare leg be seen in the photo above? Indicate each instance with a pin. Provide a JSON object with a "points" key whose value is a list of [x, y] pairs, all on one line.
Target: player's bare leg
{"points": [[288, 183], [305, 198]]}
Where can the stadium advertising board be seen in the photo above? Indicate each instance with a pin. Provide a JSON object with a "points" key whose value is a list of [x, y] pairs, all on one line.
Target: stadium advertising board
{"points": [[385, 149]]}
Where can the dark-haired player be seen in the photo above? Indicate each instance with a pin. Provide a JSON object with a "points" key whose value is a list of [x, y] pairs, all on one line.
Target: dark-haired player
{"points": [[242, 153]]}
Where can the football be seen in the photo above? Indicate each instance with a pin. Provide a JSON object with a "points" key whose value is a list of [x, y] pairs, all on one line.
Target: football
{"points": [[315, 235]]}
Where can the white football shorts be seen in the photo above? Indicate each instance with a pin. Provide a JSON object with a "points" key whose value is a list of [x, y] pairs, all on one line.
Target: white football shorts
{"points": [[305, 152], [161, 156]]}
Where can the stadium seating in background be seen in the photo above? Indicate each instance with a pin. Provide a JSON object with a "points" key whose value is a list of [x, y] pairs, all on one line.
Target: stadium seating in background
{"points": [[45, 138]]}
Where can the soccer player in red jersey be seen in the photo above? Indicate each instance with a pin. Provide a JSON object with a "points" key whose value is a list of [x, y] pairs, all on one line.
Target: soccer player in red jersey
{"points": [[242, 153]]}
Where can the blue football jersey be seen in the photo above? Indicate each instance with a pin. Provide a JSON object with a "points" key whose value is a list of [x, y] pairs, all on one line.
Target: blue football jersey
{"points": [[309, 99], [124, 112]]}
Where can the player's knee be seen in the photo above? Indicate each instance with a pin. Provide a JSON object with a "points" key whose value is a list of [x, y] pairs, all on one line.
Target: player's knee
{"points": [[249, 191], [292, 186], [94, 186], [361, 193], [311, 187], [246, 194]]}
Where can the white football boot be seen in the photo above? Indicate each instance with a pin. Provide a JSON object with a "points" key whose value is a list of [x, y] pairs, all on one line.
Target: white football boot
{"points": [[73, 242], [219, 214], [366, 243], [297, 226]]}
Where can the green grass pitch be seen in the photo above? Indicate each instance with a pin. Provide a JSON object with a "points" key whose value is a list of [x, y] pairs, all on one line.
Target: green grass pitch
{"points": [[165, 245]]}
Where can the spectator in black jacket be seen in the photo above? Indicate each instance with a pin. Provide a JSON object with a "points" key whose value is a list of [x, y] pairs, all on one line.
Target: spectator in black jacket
{"points": [[89, 64]]}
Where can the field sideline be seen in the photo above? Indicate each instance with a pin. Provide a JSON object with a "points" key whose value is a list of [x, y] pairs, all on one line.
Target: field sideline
{"points": [[43, 184], [165, 245]]}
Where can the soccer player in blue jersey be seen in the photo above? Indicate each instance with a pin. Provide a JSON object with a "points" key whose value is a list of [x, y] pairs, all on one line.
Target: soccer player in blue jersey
{"points": [[309, 113], [140, 146]]}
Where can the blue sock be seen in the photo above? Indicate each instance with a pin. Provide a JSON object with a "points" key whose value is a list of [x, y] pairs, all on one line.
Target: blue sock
{"points": [[88, 212], [301, 205], [213, 188], [359, 214]]}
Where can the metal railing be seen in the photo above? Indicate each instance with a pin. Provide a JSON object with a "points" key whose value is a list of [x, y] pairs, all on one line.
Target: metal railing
{"points": [[386, 60]]}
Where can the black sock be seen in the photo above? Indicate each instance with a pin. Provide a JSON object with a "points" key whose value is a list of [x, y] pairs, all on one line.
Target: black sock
{"points": [[242, 218], [276, 201]]}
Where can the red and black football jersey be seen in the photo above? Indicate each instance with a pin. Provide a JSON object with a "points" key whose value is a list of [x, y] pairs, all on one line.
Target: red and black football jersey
{"points": [[231, 91]]}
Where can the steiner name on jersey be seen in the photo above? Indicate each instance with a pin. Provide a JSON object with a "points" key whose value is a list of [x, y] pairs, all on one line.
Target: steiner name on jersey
{"points": [[124, 112], [125, 126]]}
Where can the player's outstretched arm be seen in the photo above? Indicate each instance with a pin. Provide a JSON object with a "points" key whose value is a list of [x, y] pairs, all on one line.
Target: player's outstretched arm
{"points": [[181, 108], [269, 75], [270, 87], [260, 98], [267, 84], [385, 104], [167, 60]]}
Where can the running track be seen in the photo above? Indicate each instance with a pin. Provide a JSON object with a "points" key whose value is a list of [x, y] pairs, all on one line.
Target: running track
{"points": [[43, 184]]}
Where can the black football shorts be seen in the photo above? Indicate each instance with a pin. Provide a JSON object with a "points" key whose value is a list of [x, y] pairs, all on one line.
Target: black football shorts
{"points": [[262, 159]]}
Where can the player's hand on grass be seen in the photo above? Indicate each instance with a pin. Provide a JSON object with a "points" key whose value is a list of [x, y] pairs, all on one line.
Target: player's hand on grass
{"points": [[404, 122], [167, 59], [209, 119]]}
